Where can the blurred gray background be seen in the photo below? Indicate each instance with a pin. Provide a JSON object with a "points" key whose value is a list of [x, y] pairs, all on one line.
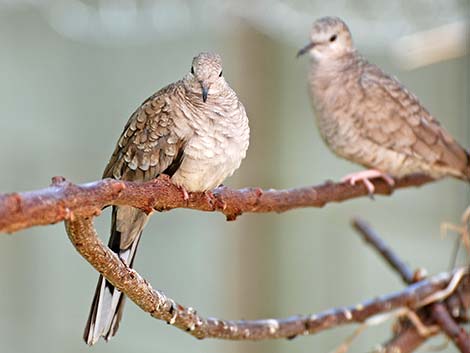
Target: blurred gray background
{"points": [[73, 71]]}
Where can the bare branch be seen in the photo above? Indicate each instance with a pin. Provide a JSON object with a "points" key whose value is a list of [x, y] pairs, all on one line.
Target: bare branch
{"points": [[406, 341], [455, 332], [84, 237], [62, 199], [78, 204], [409, 338], [372, 238]]}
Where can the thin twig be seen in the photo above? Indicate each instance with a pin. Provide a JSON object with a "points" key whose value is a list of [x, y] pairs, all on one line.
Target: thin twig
{"points": [[63, 200], [450, 289], [372, 238]]}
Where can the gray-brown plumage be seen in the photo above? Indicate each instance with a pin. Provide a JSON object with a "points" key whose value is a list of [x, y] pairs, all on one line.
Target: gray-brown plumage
{"points": [[368, 117], [196, 131]]}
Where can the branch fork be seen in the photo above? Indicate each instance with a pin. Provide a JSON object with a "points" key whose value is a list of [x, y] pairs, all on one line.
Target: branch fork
{"points": [[444, 294]]}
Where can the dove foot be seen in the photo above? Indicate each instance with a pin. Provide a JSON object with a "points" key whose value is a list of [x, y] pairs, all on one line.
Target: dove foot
{"points": [[364, 177], [184, 192]]}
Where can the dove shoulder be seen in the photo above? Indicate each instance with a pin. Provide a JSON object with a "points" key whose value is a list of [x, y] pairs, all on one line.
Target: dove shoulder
{"points": [[153, 139]]}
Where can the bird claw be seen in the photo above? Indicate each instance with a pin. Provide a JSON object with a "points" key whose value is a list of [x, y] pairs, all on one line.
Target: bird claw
{"points": [[216, 202], [364, 177]]}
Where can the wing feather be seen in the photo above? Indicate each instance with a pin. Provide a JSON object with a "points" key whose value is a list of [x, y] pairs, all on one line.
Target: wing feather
{"points": [[403, 125]]}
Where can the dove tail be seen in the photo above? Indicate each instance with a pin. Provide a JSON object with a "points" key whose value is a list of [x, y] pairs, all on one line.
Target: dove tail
{"points": [[108, 302]]}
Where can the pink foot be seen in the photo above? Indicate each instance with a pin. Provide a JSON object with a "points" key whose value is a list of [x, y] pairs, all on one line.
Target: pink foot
{"points": [[365, 175], [185, 193]]}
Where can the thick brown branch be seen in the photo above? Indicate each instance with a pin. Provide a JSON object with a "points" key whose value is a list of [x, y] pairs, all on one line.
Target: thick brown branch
{"points": [[84, 238], [62, 199]]}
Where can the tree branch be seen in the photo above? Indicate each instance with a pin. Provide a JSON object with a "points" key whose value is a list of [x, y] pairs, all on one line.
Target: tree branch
{"points": [[84, 237], [455, 332], [78, 204], [409, 338], [373, 239], [406, 341], [63, 200]]}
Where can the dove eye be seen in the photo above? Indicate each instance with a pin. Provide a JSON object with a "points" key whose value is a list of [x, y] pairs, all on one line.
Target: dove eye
{"points": [[192, 70], [220, 75], [333, 38]]}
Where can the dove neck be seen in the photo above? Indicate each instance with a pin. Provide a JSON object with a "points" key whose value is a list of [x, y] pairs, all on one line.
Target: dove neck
{"points": [[225, 98], [330, 68], [332, 71]]}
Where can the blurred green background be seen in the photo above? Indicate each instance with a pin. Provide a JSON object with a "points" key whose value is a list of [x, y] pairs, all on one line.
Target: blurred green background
{"points": [[73, 71]]}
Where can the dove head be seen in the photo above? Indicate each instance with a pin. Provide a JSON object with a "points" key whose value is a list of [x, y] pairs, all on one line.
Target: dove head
{"points": [[205, 78], [330, 38]]}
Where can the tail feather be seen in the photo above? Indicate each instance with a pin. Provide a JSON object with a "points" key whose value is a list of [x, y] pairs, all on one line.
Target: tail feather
{"points": [[108, 302], [104, 304]]}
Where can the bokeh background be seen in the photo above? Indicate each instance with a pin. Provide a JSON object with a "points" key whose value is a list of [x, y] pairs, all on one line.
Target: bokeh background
{"points": [[71, 73]]}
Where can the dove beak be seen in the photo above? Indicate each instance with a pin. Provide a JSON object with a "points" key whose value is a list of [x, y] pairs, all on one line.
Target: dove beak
{"points": [[205, 91], [305, 49]]}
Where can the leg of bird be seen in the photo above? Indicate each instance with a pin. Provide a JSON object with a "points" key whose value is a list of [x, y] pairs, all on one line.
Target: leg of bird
{"points": [[185, 193], [214, 200], [365, 175], [181, 187]]}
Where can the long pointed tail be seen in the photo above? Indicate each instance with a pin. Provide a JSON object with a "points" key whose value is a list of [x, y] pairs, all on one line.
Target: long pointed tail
{"points": [[108, 302]]}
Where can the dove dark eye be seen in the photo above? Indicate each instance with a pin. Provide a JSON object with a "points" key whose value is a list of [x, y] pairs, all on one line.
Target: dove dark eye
{"points": [[220, 75], [192, 70], [333, 38]]}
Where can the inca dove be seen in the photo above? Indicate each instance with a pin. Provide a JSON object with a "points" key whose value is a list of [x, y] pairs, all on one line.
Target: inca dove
{"points": [[196, 131], [368, 117]]}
